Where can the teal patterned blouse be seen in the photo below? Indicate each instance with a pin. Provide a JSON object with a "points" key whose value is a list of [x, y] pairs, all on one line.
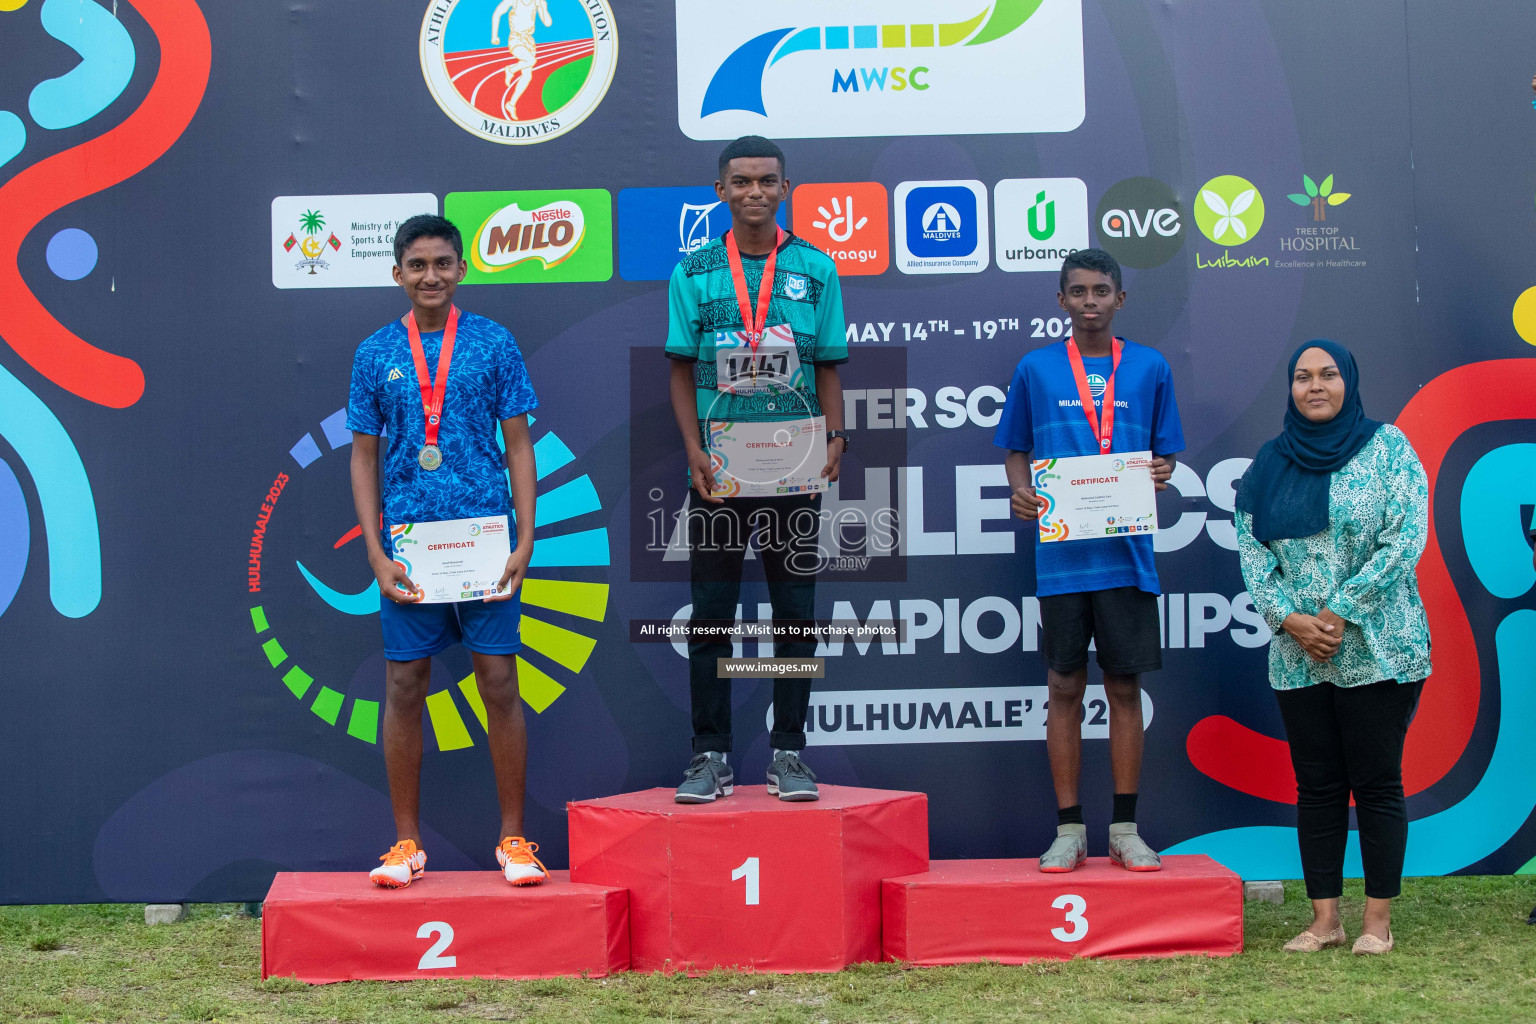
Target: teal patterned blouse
{"points": [[1361, 567]]}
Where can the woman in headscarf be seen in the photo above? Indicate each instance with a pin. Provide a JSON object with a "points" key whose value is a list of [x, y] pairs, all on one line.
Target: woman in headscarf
{"points": [[1332, 518]]}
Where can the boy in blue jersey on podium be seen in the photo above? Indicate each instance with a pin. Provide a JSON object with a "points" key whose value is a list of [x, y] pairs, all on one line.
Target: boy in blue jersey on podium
{"points": [[1102, 590], [441, 384]]}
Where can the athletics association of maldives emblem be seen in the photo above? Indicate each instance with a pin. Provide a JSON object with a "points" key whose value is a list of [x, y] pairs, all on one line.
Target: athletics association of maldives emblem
{"points": [[518, 72]]}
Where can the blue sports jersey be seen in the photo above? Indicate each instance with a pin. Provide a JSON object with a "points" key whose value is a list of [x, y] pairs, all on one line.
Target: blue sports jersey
{"points": [[1044, 416], [487, 383]]}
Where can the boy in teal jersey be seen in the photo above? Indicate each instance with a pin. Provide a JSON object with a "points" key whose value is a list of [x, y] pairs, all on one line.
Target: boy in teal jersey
{"points": [[804, 312]]}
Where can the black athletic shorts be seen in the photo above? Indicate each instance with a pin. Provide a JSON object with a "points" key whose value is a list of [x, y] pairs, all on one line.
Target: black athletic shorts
{"points": [[1122, 622]]}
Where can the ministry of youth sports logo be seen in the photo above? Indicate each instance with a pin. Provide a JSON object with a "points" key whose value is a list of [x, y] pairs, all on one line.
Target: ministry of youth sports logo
{"points": [[518, 71]]}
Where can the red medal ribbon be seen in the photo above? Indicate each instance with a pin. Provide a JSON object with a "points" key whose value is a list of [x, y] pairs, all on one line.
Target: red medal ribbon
{"points": [[755, 324], [432, 394], [1102, 431]]}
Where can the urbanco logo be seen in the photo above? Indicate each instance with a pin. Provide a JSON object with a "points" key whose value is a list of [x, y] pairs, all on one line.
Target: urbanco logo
{"points": [[849, 221], [1040, 221], [1229, 210], [834, 68], [1140, 222], [518, 71], [547, 235], [941, 227]]}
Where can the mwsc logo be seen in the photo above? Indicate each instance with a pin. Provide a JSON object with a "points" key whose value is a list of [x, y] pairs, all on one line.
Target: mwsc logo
{"points": [[898, 67]]}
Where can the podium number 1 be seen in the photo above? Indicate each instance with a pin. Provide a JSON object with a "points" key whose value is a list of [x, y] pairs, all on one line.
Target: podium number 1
{"points": [[748, 870], [433, 957], [1074, 907]]}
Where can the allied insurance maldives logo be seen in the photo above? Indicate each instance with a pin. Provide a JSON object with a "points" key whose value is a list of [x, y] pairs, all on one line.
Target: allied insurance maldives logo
{"points": [[518, 72], [314, 608], [835, 68]]}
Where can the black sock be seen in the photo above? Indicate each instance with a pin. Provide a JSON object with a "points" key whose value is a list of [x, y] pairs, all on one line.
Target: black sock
{"points": [[1125, 809], [1070, 815]]}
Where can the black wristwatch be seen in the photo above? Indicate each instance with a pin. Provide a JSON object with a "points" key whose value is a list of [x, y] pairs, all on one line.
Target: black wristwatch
{"points": [[833, 434]]}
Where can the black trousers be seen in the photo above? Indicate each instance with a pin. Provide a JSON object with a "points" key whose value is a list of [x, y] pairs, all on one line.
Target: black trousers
{"points": [[1349, 739], [785, 530]]}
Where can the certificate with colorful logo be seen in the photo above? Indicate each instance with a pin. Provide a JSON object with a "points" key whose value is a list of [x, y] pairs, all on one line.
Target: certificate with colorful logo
{"points": [[1090, 497], [455, 559], [765, 459]]}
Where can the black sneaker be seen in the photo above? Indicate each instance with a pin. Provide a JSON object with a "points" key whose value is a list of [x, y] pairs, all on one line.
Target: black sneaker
{"points": [[790, 779], [706, 778]]}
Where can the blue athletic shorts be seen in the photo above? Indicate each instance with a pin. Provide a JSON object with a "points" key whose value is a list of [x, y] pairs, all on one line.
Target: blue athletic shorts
{"points": [[414, 631]]}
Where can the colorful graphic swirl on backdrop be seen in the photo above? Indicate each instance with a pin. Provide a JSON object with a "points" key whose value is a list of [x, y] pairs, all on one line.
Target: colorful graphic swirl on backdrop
{"points": [[1259, 765], [34, 193]]}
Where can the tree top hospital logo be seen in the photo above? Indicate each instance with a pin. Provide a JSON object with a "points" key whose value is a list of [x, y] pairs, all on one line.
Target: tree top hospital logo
{"points": [[835, 68], [518, 72], [324, 643]]}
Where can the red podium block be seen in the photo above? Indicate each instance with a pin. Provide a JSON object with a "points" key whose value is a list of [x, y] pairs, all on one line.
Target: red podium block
{"points": [[334, 926], [962, 911], [750, 881]]}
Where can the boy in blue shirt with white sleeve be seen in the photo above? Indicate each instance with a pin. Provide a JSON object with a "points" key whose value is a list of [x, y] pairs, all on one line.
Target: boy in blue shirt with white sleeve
{"points": [[1104, 590]]}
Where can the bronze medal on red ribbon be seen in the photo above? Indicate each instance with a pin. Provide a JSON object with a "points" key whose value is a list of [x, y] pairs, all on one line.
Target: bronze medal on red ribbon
{"points": [[431, 456], [1103, 427]]}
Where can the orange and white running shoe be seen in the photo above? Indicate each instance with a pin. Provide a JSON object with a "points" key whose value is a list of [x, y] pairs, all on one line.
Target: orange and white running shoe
{"points": [[518, 863], [403, 864]]}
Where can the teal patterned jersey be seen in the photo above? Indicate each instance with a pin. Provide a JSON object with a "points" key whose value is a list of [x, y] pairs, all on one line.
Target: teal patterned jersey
{"points": [[806, 297], [1361, 568]]}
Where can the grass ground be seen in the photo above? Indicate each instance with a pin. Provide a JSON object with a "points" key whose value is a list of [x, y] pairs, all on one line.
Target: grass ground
{"points": [[1464, 954]]}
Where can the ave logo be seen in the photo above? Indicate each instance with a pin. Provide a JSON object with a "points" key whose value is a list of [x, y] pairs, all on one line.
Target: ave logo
{"points": [[1140, 222], [849, 221]]}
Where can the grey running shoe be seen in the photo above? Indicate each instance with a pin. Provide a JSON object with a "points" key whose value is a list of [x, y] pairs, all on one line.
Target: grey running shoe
{"points": [[1069, 850], [706, 778], [1130, 851], [790, 779]]}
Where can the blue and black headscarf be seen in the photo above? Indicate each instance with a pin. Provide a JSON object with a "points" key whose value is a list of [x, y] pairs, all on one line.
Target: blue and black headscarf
{"points": [[1286, 488]]}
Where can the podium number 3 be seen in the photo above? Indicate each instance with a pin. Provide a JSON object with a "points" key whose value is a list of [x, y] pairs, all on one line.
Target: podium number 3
{"points": [[1074, 907], [433, 957], [748, 870]]}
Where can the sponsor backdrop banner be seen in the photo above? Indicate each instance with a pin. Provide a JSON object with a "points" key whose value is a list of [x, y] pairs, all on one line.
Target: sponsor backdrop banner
{"points": [[199, 202]]}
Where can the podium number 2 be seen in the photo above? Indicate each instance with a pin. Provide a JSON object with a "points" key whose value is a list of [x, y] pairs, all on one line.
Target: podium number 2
{"points": [[433, 957], [1074, 907], [748, 870]]}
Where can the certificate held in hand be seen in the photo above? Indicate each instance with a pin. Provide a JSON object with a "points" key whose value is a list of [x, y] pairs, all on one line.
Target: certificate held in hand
{"points": [[1091, 497]]}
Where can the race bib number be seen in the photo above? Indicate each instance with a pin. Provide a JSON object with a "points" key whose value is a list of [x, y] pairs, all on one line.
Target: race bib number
{"points": [[775, 366]]}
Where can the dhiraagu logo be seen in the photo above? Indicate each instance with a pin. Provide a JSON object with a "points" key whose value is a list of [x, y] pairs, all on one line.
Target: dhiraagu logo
{"points": [[314, 607], [834, 68]]}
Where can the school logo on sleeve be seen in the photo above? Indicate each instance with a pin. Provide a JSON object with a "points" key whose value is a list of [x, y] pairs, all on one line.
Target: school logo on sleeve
{"points": [[796, 286], [518, 72]]}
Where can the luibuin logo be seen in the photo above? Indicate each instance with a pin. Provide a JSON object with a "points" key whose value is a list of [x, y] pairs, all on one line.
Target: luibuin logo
{"points": [[518, 71], [914, 71], [1319, 197], [1229, 210]]}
